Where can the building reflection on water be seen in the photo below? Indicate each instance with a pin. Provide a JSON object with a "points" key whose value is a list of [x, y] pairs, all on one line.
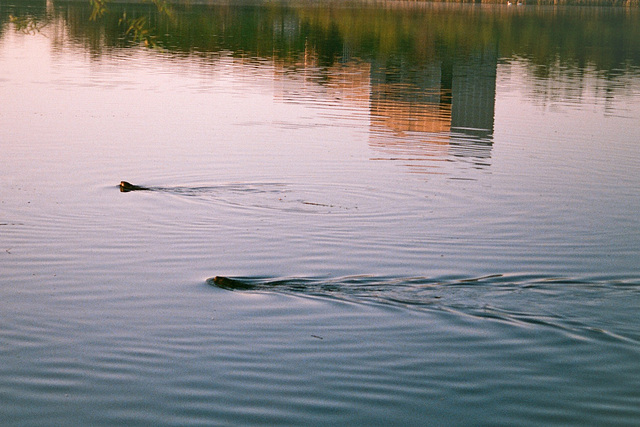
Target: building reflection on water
{"points": [[442, 109], [448, 104]]}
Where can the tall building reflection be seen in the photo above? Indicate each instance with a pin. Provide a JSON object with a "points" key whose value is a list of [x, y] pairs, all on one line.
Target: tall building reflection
{"points": [[449, 103], [473, 90], [441, 109]]}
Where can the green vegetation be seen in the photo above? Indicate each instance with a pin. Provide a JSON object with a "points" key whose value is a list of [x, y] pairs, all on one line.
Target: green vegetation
{"points": [[136, 27], [392, 33]]}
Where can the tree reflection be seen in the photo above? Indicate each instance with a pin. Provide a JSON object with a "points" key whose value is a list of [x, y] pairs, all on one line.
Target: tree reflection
{"points": [[608, 38], [99, 9], [28, 24]]}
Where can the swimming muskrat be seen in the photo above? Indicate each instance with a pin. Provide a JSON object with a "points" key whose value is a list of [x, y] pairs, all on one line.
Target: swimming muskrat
{"points": [[127, 186], [229, 284]]}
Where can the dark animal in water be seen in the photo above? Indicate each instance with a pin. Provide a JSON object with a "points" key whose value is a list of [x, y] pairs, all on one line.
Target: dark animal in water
{"points": [[127, 186], [259, 283], [229, 284]]}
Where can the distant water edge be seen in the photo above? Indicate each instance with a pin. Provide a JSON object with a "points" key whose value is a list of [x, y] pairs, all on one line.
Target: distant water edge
{"points": [[398, 2]]}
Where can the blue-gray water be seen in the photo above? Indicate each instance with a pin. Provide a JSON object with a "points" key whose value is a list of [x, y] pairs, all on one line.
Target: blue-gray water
{"points": [[433, 215]]}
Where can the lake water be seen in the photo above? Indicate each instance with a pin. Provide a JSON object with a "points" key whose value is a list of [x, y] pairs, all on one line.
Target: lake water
{"points": [[429, 214]]}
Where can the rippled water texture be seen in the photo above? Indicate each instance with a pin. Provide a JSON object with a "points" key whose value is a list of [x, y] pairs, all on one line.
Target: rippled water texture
{"points": [[350, 213]]}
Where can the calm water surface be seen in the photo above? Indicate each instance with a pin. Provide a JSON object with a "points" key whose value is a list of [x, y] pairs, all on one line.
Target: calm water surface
{"points": [[431, 209]]}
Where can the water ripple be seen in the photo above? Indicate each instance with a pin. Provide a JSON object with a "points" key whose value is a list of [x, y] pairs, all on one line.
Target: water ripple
{"points": [[525, 301]]}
